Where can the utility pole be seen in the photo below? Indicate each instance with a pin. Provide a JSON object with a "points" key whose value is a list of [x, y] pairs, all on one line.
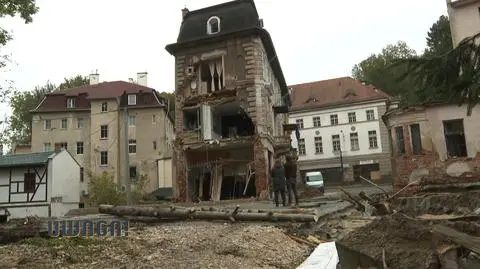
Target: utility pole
{"points": [[127, 158]]}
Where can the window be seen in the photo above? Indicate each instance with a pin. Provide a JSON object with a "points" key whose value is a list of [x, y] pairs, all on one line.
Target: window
{"points": [[104, 158], [133, 172], [64, 124], [212, 74], [416, 138], [104, 107], [47, 147], [71, 102], [131, 120], [316, 122], [132, 146], [104, 131], [301, 146], [334, 119], [400, 140], [299, 123], [61, 145], [81, 174], [455, 138], [370, 114], [336, 143], [79, 147], [318, 144], [154, 145], [132, 99], [48, 124], [372, 139], [29, 182], [213, 25], [154, 119], [352, 117], [354, 141], [80, 123]]}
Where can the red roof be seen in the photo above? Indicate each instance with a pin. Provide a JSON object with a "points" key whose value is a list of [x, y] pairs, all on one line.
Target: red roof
{"points": [[57, 101], [332, 92]]}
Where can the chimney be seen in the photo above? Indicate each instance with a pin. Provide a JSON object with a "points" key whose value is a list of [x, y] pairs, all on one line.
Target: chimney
{"points": [[142, 78], [94, 78], [184, 12]]}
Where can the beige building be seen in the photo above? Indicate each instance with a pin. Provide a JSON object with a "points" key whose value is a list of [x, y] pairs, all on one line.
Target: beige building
{"points": [[464, 18], [89, 121]]}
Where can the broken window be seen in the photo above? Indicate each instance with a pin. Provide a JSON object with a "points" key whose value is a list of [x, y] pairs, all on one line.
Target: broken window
{"points": [[416, 138], [191, 119], [316, 122], [318, 145], [455, 138], [334, 119], [212, 74], [231, 121], [354, 141], [336, 143], [301, 146], [352, 117], [400, 140], [133, 172], [299, 123], [132, 146], [372, 139], [29, 182]]}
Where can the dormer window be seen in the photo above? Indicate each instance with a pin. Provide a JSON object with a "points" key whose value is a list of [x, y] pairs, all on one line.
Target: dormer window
{"points": [[71, 102], [213, 25], [132, 99]]}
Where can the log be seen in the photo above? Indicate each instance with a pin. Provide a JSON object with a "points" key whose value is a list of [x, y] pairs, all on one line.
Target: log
{"points": [[467, 241], [191, 213], [360, 206]]}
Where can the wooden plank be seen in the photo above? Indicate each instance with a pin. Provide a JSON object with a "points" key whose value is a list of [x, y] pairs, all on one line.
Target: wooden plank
{"points": [[470, 242]]}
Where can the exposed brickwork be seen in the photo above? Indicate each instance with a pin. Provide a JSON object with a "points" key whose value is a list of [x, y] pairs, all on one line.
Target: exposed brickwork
{"points": [[261, 164], [405, 165]]}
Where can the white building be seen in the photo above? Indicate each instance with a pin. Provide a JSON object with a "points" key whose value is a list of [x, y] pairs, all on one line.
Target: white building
{"points": [[340, 124], [44, 184], [464, 16]]}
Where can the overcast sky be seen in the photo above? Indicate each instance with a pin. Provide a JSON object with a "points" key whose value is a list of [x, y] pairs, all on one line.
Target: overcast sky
{"points": [[314, 39]]}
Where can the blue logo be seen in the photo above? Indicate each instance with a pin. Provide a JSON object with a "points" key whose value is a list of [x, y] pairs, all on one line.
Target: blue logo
{"points": [[88, 227]]}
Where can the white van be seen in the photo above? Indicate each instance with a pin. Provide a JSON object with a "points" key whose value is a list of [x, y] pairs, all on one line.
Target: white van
{"points": [[315, 180]]}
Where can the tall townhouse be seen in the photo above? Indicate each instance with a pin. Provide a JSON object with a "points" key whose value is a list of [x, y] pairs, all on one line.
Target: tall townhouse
{"points": [[89, 121]]}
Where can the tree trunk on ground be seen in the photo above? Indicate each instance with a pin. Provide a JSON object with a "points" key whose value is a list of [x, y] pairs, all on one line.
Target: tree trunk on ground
{"points": [[183, 213]]}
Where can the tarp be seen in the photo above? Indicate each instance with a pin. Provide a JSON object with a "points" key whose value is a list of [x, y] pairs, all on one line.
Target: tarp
{"points": [[325, 256]]}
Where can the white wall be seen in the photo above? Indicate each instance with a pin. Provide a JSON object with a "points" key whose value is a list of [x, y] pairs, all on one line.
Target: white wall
{"points": [[362, 126], [165, 175], [65, 183]]}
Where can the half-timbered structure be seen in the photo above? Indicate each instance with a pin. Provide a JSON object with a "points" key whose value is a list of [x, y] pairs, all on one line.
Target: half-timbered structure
{"points": [[44, 184]]}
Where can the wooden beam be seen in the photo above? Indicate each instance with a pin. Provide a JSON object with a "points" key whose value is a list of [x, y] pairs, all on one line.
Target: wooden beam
{"points": [[470, 242]]}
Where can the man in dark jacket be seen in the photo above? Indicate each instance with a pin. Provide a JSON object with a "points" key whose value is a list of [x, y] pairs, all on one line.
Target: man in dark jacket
{"points": [[278, 181], [291, 175]]}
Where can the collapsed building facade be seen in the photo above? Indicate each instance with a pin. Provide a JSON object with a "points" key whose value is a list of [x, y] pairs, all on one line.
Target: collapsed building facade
{"points": [[434, 144], [231, 104]]}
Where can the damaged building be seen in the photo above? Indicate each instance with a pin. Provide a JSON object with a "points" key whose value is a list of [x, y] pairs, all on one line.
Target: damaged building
{"points": [[231, 104], [435, 144]]}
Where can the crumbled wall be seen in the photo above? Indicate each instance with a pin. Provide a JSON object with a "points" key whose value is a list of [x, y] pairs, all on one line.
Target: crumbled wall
{"points": [[432, 166]]}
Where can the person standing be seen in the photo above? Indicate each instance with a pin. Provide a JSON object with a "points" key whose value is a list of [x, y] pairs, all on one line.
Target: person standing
{"points": [[278, 181], [291, 175]]}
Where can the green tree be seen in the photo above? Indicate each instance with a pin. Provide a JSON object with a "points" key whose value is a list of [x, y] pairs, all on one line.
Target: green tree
{"points": [[373, 70], [22, 102], [452, 77], [170, 100], [439, 38], [23, 8], [73, 82]]}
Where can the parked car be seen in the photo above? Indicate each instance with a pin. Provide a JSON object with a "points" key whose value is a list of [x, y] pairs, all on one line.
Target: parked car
{"points": [[315, 180]]}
